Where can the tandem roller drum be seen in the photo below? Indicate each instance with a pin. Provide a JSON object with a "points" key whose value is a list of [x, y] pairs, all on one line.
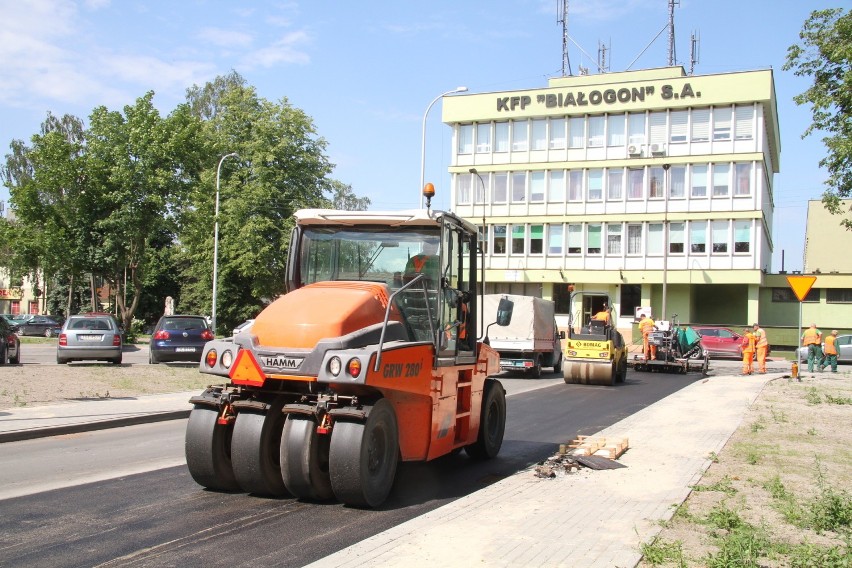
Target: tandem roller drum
{"points": [[589, 372]]}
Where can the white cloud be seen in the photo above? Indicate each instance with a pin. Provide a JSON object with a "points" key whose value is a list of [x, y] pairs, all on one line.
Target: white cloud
{"points": [[284, 50], [97, 4], [225, 38]]}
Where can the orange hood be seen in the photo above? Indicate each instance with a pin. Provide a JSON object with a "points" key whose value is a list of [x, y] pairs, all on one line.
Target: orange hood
{"points": [[319, 311]]}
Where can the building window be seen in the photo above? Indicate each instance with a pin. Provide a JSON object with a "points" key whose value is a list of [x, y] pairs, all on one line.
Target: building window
{"points": [[536, 239], [595, 185], [838, 295], [466, 139], [655, 182], [520, 137], [615, 130], [635, 180], [677, 179], [480, 190], [596, 131], [500, 239], [613, 239], [536, 187], [742, 179], [698, 237], [701, 125], [557, 186], [463, 185], [15, 307], [575, 185], [722, 123], [787, 295], [742, 236], [680, 122], [636, 128], [483, 138], [631, 298], [501, 137], [576, 132], [657, 128], [575, 239], [519, 235], [554, 240], [634, 239], [593, 238], [614, 184], [558, 127], [720, 179], [501, 187], [699, 181], [655, 239], [676, 238], [519, 187], [719, 234], [539, 134], [744, 117]]}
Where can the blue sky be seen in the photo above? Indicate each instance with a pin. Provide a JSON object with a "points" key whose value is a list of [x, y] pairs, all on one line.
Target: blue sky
{"points": [[366, 71]]}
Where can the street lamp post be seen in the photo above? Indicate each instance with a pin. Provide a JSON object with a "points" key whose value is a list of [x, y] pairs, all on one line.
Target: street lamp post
{"points": [[423, 139], [666, 190], [481, 239], [216, 239]]}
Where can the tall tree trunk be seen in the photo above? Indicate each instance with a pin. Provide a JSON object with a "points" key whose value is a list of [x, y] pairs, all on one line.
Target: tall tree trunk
{"points": [[94, 292], [70, 295]]}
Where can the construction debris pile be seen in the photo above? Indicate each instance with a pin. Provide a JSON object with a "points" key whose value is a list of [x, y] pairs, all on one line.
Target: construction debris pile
{"points": [[584, 451]]}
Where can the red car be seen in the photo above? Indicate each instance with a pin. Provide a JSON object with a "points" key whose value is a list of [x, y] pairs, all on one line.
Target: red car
{"points": [[721, 341]]}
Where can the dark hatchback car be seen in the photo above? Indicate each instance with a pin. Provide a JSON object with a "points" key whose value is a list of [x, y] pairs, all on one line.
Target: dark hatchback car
{"points": [[10, 345], [179, 338], [38, 325]]}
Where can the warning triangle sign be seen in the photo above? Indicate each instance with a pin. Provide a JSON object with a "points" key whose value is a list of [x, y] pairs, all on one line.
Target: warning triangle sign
{"points": [[801, 285]]}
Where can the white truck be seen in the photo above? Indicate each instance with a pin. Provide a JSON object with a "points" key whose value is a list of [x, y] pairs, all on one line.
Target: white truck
{"points": [[531, 341]]}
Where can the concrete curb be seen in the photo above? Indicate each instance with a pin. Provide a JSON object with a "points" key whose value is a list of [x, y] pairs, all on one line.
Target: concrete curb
{"points": [[35, 433]]}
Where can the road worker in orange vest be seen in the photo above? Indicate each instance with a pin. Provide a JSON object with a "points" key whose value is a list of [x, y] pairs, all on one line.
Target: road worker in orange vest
{"points": [[812, 339], [830, 350], [602, 315], [748, 351], [762, 345], [646, 326], [426, 263]]}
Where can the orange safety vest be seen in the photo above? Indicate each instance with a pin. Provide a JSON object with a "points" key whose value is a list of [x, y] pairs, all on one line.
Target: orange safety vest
{"points": [[602, 316], [646, 326], [811, 336], [762, 341], [419, 262], [830, 348], [748, 342]]}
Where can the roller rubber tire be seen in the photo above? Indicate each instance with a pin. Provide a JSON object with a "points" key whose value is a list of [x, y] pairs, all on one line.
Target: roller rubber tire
{"points": [[363, 457], [492, 422], [255, 449], [208, 450], [304, 460], [621, 375]]}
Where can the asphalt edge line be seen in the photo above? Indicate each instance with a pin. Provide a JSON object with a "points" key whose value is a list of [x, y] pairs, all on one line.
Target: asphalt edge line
{"points": [[21, 435]]}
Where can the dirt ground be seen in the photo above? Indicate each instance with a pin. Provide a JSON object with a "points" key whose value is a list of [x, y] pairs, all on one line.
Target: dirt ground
{"points": [[33, 385], [779, 492]]}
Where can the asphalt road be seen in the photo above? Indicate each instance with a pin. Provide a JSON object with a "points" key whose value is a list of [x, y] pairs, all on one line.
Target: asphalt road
{"points": [[161, 517]]}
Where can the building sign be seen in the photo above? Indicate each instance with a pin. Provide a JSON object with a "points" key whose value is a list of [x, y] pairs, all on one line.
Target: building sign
{"points": [[597, 97], [11, 294]]}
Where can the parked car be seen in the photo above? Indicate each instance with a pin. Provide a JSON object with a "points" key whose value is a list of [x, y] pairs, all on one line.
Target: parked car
{"points": [[179, 338], [722, 341], [844, 349], [38, 325], [10, 345], [90, 338]]}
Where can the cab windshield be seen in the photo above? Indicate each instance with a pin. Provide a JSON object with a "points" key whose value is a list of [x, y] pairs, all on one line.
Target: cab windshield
{"points": [[379, 254]]}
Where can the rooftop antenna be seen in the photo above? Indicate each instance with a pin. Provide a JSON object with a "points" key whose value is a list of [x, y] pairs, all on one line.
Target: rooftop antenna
{"points": [[694, 52], [672, 54], [562, 18], [603, 66]]}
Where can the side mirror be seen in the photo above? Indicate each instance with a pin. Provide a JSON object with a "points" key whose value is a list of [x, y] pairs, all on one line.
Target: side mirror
{"points": [[504, 311], [561, 335]]}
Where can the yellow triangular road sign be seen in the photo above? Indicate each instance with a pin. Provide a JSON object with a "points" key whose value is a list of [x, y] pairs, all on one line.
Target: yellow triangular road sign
{"points": [[801, 285]]}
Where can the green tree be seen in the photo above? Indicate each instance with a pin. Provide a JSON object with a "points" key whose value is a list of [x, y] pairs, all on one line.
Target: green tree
{"points": [[142, 167], [281, 168], [342, 197], [825, 54]]}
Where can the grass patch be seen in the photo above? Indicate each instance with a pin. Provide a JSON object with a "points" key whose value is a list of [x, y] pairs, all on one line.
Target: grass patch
{"points": [[724, 485], [829, 510], [837, 399], [812, 396], [813, 556], [758, 425], [662, 552]]}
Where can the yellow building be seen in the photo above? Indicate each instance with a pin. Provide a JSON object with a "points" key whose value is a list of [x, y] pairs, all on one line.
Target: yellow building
{"points": [[654, 186], [826, 240]]}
